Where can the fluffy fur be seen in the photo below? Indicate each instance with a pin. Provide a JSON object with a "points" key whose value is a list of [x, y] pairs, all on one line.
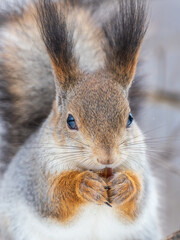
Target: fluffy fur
{"points": [[52, 188], [124, 39]]}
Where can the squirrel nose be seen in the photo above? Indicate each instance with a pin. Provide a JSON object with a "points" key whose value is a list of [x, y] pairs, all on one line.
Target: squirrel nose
{"points": [[105, 156]]}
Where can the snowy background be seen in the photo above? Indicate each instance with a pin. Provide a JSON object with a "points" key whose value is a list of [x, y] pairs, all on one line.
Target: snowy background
{"points": [[160, 115]]}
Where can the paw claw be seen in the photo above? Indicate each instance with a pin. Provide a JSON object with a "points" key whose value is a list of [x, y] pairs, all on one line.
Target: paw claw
{"points": [[108, 204], [92, 188]]}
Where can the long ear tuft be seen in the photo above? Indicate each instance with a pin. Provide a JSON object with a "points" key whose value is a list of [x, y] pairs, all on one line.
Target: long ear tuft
{"points": [[124, 34], [58, 39]]}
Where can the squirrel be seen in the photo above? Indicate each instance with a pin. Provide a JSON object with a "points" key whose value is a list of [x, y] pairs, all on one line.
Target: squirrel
{"points": [[76, 159]]}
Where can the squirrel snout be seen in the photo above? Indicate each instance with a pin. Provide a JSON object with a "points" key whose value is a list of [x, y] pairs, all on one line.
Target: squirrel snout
{"points": [[105, 156]]}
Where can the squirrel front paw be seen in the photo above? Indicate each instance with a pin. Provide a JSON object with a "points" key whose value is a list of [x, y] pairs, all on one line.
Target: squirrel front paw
{"points": [[123, 187], [90, 187]]}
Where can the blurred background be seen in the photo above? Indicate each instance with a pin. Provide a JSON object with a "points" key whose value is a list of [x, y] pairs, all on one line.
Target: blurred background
{"points": [[160, 114], [160, 117]]}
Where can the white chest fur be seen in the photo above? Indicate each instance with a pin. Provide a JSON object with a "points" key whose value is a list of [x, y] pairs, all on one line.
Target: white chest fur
{"points": [[93, 223]]}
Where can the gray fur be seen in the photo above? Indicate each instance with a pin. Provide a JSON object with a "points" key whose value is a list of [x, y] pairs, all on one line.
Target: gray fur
{"points": [[36, 150]]}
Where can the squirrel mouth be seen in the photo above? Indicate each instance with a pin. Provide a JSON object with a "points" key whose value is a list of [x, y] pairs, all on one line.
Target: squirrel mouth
{"points": [[106, 173]]}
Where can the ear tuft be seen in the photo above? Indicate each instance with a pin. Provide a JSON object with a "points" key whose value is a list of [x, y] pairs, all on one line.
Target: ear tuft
{"points": [[58, 39], [124, 34]]}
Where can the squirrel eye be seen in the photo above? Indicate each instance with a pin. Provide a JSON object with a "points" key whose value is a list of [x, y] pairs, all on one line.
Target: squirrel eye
{"points": [[71, 122], [130, 120]]}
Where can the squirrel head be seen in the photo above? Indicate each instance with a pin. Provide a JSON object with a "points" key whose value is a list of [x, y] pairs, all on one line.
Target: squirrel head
{"points": [[91, 114]]}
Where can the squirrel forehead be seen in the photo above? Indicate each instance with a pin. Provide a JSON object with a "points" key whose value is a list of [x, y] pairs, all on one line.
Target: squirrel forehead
{"points": [[100, 101], [99, 93]]}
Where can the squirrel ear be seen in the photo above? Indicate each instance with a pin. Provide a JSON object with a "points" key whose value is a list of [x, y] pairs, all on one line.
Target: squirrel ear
{"points": [[58, 39], [124, 34]]}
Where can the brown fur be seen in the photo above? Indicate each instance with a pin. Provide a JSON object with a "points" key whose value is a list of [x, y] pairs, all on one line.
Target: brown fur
{"points": [[65, 76], [125, 74], [71, 190], [124, 194], [64, 202], [66, 66], [24, 72], [26, 77], [124, 33], [99, 103], [96, 94]]}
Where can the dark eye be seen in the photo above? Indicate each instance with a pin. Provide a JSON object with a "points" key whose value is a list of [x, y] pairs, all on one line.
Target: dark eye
{"points": [[130, 120], [71, 122]]}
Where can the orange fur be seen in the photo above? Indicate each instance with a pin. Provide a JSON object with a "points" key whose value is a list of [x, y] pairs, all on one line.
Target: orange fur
{"points": [[126, 73], [72, 189], [124, 194], [65, 75], [64, 202]]}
